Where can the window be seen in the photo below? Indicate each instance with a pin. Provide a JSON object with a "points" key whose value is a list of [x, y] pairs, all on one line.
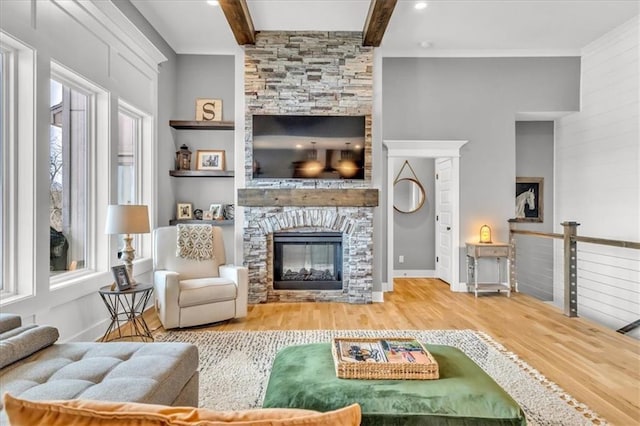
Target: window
{"points": [[3, 166], [128, 142], [17, 137], [68, 186], [129, 139], [79, 182]]}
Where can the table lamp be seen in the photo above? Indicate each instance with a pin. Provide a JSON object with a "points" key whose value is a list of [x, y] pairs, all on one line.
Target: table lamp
{"points": [[127, 219]]}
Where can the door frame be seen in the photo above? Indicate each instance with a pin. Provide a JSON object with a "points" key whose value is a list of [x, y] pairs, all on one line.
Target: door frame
{"points": [[426, 149]]}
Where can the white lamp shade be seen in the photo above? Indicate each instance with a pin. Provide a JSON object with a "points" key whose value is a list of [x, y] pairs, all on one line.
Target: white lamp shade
{"points": [[127, 219]]}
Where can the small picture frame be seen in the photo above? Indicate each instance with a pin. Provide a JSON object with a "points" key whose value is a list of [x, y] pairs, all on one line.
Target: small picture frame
{"points": [[184, 211], [208, 109], [121, 276], [210, 160], [207, 215], [529, 199], [216, 211]]}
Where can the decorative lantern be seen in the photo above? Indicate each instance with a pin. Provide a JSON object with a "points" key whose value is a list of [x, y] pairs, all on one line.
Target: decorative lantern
{"points": [[485, 234], [183, 158]]}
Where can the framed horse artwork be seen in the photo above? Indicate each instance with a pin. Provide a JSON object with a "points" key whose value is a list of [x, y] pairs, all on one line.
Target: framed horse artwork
{"points": [[529, 199]]}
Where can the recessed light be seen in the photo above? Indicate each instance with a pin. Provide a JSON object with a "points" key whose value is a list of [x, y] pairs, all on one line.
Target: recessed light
{"points": [[425, 44], [420, 5], [213, 3]]}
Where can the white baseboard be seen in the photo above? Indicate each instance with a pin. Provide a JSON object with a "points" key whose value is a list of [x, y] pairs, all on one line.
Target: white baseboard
{"points": [[377, 297], [386, 286], [90, 334], [414, 273], [461, 288]]}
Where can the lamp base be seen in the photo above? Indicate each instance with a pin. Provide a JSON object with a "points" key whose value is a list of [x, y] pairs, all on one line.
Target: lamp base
{"points": [[128, 254]]}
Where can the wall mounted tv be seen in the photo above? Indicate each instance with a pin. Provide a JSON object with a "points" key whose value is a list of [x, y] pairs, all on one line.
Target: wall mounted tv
{"points": [[308, 147]]}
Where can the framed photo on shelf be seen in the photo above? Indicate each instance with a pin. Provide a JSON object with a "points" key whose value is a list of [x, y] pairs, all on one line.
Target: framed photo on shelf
{"points": [[207, 215], [210, 160], [208, 109], [216, 211], [121, 276], [529, 199], [184, 211]]}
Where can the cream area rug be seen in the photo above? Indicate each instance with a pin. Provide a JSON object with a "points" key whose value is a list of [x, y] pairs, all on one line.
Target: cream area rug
{"points": [[235, 367]]}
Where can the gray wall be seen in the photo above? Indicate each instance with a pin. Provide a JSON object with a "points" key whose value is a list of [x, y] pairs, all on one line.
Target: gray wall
{"points": [[209, 77], [414, 233], [164, 210], [476, 99], [534, 158]]}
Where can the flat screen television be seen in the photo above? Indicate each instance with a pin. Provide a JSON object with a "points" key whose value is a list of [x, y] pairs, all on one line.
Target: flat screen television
{"points": [[308, 146]]}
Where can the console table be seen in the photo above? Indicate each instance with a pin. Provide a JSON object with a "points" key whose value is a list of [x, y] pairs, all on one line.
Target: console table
{"points": [[498, 251]]}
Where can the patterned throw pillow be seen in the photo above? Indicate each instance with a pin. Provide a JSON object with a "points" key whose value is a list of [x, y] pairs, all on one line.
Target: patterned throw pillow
{"points": [[195, 242]]}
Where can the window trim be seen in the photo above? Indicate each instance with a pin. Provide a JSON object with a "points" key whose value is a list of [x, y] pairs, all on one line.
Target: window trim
{"points": [[143, 173], [99, 174], [20, 131]]}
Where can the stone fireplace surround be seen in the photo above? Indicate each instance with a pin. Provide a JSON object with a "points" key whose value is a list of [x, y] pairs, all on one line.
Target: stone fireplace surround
{"points": [[356, 225], [309, 73]]}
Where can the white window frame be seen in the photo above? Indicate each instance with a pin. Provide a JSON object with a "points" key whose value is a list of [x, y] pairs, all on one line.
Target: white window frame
{"points": [[99, 175], [144, 179], [18, 142]]}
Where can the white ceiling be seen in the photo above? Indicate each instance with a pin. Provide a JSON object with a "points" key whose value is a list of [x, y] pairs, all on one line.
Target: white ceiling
{"points": [[449, 27]]}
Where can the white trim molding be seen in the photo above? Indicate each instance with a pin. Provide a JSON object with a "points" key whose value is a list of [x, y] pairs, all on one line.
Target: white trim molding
{"points": [[426, 149]]}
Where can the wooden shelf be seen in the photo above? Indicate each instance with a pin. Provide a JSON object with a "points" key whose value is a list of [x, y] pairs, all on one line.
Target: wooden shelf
{"points": [[349, 197], [202, 125], [200, 222], [201, 173]]}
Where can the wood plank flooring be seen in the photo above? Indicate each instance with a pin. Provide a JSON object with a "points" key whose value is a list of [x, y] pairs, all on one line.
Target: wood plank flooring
{"points": [[597, 366]]}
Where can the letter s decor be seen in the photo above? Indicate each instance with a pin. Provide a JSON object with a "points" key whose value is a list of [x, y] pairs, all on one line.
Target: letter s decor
{"points": [[208, 109]]}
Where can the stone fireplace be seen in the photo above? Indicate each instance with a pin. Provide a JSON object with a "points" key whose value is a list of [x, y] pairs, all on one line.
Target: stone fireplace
{"points": [[354, 224], [308, 73]]}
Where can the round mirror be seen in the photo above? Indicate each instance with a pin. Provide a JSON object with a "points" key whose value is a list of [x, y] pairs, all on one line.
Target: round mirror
{"points": [[408, 195]]}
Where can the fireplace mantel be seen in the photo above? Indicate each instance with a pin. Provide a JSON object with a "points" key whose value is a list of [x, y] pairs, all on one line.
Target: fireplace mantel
{"points": [[295, 197]]}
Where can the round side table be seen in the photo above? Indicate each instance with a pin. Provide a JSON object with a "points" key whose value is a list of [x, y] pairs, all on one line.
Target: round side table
{"points": [[126, 308]]}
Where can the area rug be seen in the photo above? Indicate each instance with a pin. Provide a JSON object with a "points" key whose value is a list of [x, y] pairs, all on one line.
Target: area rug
{"points": [[235, 367]]}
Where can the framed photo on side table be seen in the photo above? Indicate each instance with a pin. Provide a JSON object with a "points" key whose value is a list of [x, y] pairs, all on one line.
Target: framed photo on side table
{"points": [[122, 277], [210, 160]]}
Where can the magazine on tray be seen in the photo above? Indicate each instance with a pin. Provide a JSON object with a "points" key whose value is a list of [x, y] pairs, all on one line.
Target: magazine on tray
{"points": [[383, 350]]}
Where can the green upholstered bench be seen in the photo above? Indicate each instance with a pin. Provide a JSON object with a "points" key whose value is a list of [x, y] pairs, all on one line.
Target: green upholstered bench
{"points": [[304, 377]]}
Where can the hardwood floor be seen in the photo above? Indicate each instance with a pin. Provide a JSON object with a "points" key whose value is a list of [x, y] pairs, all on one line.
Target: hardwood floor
{"points": [[597, 366]]}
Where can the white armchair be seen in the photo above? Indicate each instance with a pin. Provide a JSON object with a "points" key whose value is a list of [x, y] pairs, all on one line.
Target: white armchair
{"points": [[194, 292]]}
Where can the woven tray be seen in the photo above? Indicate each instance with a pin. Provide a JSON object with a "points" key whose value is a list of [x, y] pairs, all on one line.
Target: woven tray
{"points": [[383, 358]]}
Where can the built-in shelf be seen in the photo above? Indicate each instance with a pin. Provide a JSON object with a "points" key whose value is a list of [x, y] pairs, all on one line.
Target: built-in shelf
{"points": [[201, 173], [200, 222], [202, 125]]}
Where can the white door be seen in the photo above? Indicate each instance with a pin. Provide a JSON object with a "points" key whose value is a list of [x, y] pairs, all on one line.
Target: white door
{"points": [[444, 219]]}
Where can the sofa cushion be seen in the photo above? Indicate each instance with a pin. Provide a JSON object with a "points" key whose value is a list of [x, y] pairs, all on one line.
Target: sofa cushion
{"points": [[100, 413], [201, 291], [20, 342], [9, 321], [115, 371]]}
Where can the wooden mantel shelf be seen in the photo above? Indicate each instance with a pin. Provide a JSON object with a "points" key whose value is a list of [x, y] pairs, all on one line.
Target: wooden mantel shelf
{"points": [[270, 197]]}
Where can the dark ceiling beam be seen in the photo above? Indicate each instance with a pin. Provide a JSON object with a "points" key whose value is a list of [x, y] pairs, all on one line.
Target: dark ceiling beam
{"points": [[377, 19], [239, 19]]}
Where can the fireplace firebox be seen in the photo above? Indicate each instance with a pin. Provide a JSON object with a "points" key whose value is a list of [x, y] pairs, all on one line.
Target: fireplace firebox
{"points": [[307, 261]]}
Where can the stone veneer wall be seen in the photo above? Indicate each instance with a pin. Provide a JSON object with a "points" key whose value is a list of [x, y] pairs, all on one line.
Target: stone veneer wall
{"points": [[308, 73], [356, 225]]}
